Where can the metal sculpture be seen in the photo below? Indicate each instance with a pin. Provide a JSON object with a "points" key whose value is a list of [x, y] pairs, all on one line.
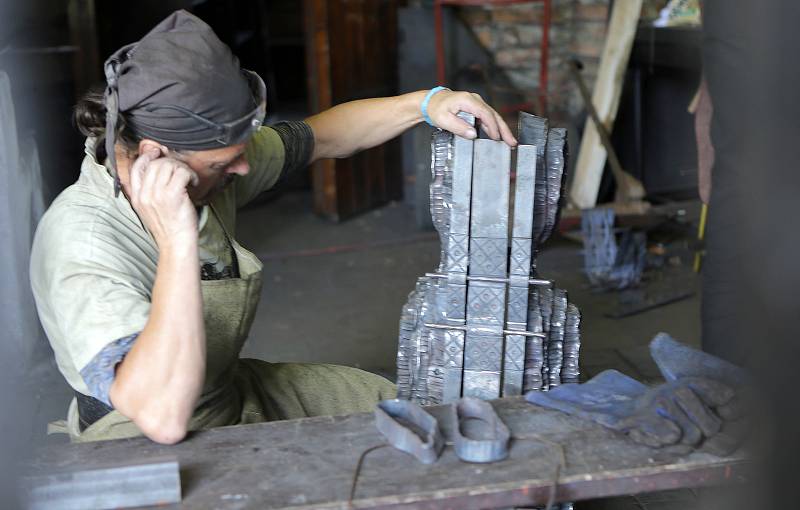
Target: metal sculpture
{"points": [[484, 324]]}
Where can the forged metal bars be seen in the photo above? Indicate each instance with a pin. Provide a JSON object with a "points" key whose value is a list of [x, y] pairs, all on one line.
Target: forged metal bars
{"points": [[485, 324]]}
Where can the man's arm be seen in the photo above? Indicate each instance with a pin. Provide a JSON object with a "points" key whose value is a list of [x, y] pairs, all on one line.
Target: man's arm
{"points": [[160, 379], [358, 125]]}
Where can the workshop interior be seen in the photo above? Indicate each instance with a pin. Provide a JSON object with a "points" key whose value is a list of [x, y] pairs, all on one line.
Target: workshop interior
{"points": [[399, 254]]}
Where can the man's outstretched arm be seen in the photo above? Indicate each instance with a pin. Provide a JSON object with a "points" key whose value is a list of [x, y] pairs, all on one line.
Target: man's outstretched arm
{"points": [[358, 125]]}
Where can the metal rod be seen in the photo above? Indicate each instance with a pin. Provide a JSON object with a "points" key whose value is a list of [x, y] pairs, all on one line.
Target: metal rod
{"points": [[531, 281], [464, 328]]}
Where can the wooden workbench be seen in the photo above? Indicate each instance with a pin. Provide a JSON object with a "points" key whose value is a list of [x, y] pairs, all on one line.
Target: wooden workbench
{"points": [[309, 463]]}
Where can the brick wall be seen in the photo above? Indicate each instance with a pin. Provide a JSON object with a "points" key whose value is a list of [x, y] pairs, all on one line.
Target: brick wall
{"points": [[512, 34]]}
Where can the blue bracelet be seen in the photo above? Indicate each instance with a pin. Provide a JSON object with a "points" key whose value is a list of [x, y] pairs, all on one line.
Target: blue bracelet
{"points": [[427, 100]]}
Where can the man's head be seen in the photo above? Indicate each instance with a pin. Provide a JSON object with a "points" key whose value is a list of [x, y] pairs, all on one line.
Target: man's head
{"points": [[215, 168], [182, 89]]}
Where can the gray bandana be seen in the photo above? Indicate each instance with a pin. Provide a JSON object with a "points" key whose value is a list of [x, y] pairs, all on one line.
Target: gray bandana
{"points": [[183, 87]]}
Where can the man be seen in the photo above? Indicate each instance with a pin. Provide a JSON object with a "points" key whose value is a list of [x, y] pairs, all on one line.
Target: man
{"points": [[144, 294]]}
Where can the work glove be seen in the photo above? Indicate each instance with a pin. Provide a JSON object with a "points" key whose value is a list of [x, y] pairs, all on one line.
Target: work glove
{"points": [[668, 414], [615, 401], [678, 362]]}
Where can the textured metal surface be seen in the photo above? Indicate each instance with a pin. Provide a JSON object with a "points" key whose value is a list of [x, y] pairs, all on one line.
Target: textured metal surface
{"points": [[486, 301], [519, 270], [490, 443], [485, 323], [407, 427], [138, 485]]}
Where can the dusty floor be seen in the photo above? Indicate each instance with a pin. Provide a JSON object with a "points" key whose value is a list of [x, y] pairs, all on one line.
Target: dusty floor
{"points": [[333, 293]]}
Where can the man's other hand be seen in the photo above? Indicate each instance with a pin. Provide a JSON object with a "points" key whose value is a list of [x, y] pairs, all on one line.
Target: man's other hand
{"points": [[443, 110]]}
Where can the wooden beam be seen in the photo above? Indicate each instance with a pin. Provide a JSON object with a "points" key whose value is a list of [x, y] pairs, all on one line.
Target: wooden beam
{"points": [[87, 68], [607, 91]]}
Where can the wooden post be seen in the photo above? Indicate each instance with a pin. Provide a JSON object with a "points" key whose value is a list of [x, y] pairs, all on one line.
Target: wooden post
{"points": [[607, 91], [83, 34]]}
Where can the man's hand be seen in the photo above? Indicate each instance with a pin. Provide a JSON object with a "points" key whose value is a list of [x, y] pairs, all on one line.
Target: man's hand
{"points": [[160, 198], [445, 105]]}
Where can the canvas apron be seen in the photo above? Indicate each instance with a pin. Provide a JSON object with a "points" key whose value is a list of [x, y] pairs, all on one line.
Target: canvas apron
{"points": [[229, 306]]}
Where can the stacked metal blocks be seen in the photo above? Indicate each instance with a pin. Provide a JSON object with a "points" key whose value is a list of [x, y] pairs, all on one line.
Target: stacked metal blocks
{"points": [[484, 324]]}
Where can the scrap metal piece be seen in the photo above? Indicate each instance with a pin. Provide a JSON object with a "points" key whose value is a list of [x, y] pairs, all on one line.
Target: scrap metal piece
{"points": [[409, 428], [486, 301], [491, 445], [137, 485]]}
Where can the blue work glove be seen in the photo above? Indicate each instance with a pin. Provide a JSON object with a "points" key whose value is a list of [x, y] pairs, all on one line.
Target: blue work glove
{"points": [[678, 362], [668, 414], [613, 400]]}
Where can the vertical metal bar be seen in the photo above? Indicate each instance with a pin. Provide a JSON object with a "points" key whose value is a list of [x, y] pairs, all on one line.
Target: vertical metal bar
{"points": [[519, 270], [486, 301], [454, 290]]}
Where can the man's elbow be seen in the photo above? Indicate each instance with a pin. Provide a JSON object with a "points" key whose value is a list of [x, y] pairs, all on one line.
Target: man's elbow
{"points": [[159, 421], [166, 430]]}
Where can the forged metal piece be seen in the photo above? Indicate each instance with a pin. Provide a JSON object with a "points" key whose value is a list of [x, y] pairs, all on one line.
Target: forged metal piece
{"points": [[519, 270], [486, 301], [137, 485], [409, 428], [570, 370], [454, 263], [484, 324], [533, 131], [534, 348], [555, 159], [555, 343], [492, 443]]}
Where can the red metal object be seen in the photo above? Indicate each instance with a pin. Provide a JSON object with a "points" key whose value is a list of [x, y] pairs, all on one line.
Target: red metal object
{"points": [[545, 44]]}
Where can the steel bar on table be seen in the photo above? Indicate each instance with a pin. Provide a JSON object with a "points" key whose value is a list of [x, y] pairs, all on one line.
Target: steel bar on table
{"points": [[488, 257], [124, 486]]}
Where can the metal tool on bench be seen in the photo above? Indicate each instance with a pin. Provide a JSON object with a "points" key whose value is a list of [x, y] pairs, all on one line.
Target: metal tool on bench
{"points": [[485, 323]]}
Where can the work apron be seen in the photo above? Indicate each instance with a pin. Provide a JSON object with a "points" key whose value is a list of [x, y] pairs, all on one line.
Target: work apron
{"points": [[239, 391]]}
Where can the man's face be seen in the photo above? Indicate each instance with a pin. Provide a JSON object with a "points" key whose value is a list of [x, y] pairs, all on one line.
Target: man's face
{"points": [[215, 169]]}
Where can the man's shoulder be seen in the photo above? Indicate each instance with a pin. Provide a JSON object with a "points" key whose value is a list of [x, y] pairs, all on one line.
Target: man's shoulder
{"points": [[76, 208], [86, 225]]}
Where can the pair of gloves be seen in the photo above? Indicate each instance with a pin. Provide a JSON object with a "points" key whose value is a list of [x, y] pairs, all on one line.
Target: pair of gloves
{"points": [[700, 405]]}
